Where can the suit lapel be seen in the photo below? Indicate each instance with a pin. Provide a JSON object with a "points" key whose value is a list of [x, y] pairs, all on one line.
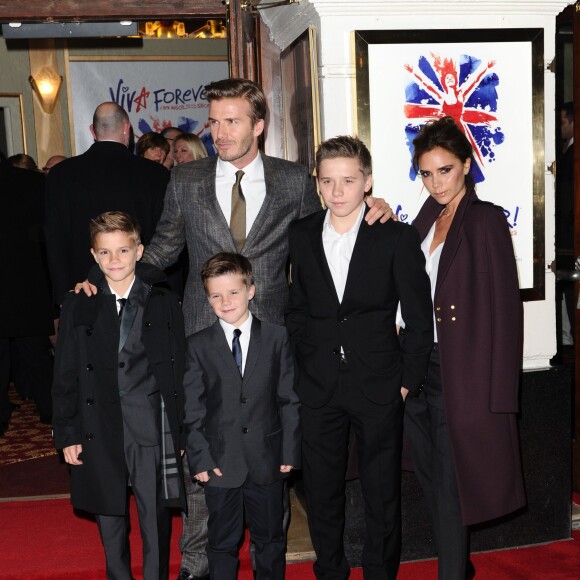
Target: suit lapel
{"points": [[253, 353], [267, 211], [364, 241], [319, 255], [137, 297], [208, 197], [222, 347]]}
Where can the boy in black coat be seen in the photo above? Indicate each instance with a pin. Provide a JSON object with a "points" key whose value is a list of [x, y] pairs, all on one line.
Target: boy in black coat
{"points": [[118, 397]]}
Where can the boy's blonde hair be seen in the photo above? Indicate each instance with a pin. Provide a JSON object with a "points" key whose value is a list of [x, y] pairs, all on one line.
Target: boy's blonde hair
{"points": [[114, 221]]}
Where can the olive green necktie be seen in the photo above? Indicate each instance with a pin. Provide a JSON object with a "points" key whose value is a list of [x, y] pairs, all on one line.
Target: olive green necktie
{"points": [[238, 217]]}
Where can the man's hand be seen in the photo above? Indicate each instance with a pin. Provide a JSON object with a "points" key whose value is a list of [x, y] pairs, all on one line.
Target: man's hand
{"points": [[203, 476], [404, 393], [89, 289], [286, 468], [379, 208], [71, 454]]}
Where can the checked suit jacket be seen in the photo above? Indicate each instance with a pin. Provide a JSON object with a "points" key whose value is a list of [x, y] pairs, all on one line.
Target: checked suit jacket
{"points": [[192, 217]]}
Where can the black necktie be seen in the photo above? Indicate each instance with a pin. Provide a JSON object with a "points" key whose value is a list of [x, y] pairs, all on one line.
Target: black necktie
{"points": [[238, 215], [237, 349], [122, 302]]}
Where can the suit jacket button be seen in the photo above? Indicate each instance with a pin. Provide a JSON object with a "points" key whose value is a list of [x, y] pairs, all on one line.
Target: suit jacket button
{"points": [[244, 400], [121, 365], [89, 331], [439, 320], [89, 367], [245, 430], [148, 325], [89, 436], [90, 401]]}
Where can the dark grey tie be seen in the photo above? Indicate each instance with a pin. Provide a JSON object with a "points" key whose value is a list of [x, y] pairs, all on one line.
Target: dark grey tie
{"points": [[238, 216], [122, 302]]}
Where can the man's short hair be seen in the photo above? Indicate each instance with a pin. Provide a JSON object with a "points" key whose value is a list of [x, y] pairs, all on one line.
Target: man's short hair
{"points": [[243, 89], [224, 263], [345, 146], [109, 118], [114, 221]]}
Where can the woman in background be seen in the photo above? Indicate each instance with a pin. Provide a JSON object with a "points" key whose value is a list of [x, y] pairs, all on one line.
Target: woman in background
{"points": [[152, 146], [462, 428], [188, 147]]}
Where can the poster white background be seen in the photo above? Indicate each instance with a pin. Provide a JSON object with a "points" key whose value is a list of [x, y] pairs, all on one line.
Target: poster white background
{"points": [[156, 94], [508, 179]]}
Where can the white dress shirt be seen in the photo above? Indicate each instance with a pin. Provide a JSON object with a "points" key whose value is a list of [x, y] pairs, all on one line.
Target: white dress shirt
{"points": [[246, 329], [126, 295], [338, 249], [253, 186]]}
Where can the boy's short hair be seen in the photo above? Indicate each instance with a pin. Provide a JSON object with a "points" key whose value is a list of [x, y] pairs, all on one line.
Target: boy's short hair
{"points": [[114, 221], [224, 263], [345, 146]]}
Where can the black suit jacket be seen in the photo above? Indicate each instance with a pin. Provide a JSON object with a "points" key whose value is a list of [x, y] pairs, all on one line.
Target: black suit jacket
{"points": [[246, 425], [107, 177], [387, 266]]}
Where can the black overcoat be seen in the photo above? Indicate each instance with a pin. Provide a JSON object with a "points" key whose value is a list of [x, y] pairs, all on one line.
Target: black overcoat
{"points": [[87, 406], [478, 315]]}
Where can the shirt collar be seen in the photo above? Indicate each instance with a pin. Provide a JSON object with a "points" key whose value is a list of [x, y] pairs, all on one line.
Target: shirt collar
{"points": [[229, 328], [255, 167], [126, 295], [329, 228]]}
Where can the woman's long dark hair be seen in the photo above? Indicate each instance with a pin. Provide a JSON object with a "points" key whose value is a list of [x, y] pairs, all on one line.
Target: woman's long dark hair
{"points": [[444, 133]]}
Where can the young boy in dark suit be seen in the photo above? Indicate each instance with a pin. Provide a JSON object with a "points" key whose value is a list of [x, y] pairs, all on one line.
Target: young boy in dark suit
{"points": [[347, 280], [118, 397], [241, 422]]}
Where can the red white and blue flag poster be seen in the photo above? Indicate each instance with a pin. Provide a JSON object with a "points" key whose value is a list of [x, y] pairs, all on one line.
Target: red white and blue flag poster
{"points": [[487, 88]]}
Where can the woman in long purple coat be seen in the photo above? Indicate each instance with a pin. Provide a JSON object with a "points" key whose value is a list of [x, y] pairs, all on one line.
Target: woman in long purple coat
{"points": [[462, 428]]}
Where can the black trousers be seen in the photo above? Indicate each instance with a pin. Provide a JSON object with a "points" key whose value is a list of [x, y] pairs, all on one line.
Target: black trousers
{"points": [[426, 431], [144, 466], [264, 510], [325, 433]]}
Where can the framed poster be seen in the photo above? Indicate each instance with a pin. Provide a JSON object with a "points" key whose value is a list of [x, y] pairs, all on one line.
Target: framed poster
{"points": [[156, 93], [301, 100], [491, 83]]}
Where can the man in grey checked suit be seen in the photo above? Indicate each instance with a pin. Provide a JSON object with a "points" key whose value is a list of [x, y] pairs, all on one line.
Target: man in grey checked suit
{"points": [[196, 214]]}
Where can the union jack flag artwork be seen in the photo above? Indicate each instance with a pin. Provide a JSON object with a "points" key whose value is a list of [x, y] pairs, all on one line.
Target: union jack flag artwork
{"points": [[465, 89]]}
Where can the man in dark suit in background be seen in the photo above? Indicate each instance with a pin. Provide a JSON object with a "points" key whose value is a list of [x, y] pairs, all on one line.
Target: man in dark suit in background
{"points": [[352, 370], [107, 177], [26, 313]]}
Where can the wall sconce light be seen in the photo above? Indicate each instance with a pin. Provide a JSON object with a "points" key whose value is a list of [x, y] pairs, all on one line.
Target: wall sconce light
{"points": [[46, 84]]}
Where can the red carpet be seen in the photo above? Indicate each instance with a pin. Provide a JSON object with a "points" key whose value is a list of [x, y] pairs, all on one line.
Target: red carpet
{"points": [[45, 540]]}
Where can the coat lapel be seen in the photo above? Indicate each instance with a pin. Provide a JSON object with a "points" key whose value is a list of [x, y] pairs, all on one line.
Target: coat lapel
{"points": [[453, 240], [253, 351]]}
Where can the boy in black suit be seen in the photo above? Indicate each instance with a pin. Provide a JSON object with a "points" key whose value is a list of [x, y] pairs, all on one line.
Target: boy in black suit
{"points": [[347, 280], [241, 422], [118, 397]]}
